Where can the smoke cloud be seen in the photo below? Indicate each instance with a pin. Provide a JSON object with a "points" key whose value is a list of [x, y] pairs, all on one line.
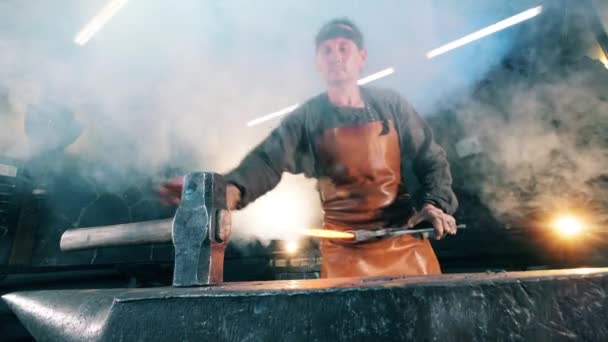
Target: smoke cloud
{"points": [[543, 141], [170, 83]]}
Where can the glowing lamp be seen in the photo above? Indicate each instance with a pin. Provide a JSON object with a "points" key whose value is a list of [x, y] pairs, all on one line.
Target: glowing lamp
{"points": [[568, 225], [291, 247]]}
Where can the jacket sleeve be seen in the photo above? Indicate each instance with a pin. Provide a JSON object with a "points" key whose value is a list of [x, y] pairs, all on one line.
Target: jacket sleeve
{"points": [[261, 170], [429, 160]]}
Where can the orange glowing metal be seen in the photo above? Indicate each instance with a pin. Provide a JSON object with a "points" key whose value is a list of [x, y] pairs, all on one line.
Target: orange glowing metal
{"points": [[328, 234]]}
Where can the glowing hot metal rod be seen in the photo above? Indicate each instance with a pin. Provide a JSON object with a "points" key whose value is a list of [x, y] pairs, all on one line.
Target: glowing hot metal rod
{"points": [[364, 235]]}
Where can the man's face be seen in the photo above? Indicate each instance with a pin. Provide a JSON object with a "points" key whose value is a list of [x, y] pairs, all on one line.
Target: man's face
{"points": [[339, 61]]}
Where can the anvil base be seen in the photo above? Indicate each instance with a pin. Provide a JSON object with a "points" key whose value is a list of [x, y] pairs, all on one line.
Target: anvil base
{"points": [[534, 305]]}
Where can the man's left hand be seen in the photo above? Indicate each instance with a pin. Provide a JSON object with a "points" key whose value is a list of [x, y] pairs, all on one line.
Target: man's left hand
{"points": [[444, 224]]}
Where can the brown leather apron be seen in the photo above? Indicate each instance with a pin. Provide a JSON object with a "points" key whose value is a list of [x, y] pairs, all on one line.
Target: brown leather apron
{"points": [[360, 191]]}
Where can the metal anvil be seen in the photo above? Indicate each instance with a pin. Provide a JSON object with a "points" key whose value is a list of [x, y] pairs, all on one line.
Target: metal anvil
{"points": [[194, 231]]}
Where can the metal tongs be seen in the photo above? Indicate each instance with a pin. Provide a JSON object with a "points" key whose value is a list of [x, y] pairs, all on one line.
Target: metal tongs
{"points": [[362, 235]]}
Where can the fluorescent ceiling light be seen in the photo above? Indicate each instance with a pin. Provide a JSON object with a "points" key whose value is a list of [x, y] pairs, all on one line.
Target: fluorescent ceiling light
{"points": [[272, 115], [98, 21], [375, 76], [516, 19]]}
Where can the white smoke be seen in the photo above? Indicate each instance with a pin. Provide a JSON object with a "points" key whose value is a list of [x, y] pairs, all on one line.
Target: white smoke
{"points": [[545, 140], [174, 82]]}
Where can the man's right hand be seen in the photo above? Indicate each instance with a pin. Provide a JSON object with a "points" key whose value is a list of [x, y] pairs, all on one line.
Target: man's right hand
{"points": [[171, 193], [443, 223]]}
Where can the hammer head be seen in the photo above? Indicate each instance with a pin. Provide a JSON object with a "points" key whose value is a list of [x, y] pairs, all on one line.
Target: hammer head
{"points": [[201, 216]]}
